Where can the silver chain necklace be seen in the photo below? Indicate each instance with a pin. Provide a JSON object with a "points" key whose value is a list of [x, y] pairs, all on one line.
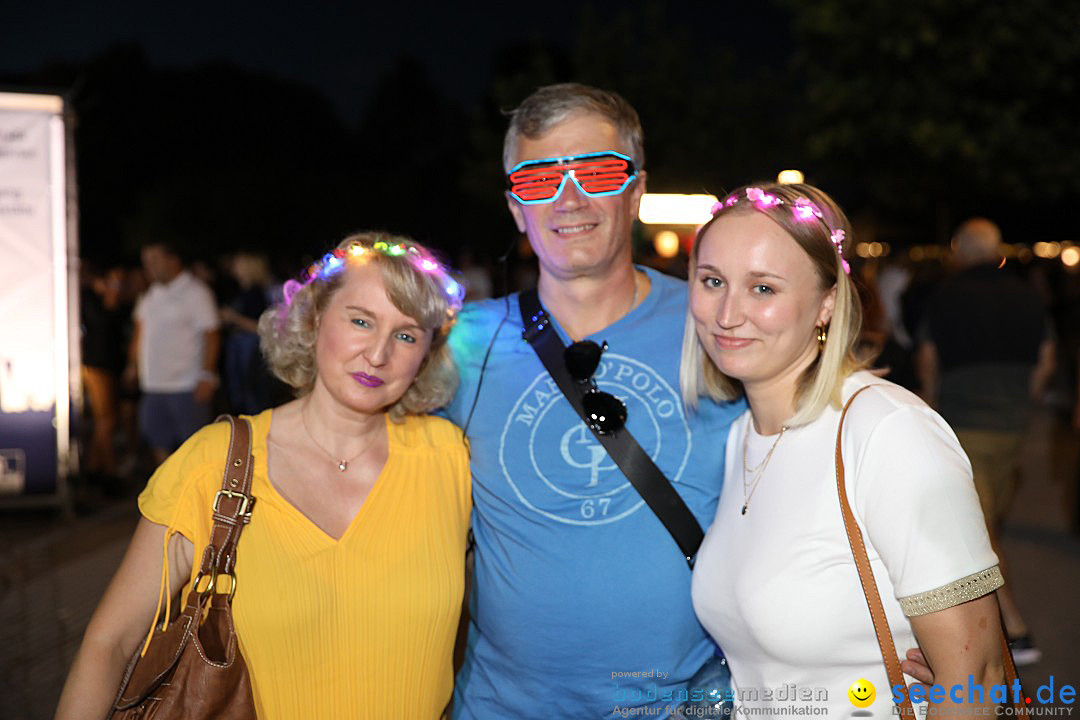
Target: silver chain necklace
{"points": [[756, 473], [342, 465]]}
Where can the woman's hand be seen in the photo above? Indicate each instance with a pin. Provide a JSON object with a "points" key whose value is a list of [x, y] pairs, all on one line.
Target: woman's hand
{"points": [[239, 320], [916, 666]]}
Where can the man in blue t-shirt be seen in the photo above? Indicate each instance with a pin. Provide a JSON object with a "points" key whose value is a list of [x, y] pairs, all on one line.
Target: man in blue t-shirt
{"points": [[581, 599]]}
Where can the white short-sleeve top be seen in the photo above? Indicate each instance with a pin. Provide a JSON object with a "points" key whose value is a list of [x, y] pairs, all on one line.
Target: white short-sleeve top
{"points": [[174, 318], [777, 586]]}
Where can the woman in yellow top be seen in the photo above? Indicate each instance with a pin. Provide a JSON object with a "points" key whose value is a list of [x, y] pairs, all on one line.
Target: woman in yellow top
{"points": [[350, 574]]}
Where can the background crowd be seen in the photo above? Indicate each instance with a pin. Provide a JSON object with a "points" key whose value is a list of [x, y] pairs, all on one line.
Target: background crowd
{"points": [[1026, 320]]}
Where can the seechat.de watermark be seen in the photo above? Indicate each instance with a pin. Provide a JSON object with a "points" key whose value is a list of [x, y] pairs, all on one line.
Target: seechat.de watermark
{"points": [[1006, 697]]}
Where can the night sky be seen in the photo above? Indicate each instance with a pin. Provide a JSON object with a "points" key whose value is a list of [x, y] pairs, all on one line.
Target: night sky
{"points": [[206, 121], [340, 49]]}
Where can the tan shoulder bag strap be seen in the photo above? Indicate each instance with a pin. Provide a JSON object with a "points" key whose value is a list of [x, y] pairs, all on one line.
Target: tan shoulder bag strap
{"points": [[873, 597], [866, 577], [232, 504]]}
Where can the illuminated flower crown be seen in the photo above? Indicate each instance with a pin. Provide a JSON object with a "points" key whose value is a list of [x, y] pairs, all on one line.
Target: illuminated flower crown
{"points": [[804, 210], [334, 262]]}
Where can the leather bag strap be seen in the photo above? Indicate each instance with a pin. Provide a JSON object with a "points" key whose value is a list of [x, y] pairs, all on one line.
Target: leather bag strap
{"points": [[649, 481], [873, 596], [866, 577], [233, 503]]}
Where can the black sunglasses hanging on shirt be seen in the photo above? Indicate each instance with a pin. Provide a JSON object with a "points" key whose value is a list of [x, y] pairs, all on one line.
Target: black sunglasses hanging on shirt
{"points": [[605, 415]]}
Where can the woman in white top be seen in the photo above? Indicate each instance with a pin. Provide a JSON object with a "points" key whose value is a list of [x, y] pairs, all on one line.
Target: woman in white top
{"points": [[773, 308]]}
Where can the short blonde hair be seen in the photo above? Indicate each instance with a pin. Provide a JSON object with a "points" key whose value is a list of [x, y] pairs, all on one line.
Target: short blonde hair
{"points": [[287, 331], [820, 384]]}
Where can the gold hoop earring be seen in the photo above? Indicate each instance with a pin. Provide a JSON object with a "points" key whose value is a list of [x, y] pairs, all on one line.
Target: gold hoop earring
{"points": [[822, 336]]}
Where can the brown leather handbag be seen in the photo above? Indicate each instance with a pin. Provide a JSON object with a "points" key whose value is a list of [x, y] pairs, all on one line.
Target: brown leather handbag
{"points": [[192, 669], [877, 610]]}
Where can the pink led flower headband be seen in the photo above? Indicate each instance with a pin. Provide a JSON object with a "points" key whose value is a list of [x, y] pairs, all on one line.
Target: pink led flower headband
{"points": [[804, 210], [334, 262]]}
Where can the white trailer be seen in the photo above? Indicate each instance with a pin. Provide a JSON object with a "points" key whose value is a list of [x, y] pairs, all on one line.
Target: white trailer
{"points": [[39, 312]]}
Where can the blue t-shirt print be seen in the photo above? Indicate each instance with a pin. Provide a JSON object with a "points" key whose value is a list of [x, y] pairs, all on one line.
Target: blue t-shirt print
{"points": [[574, 480]]}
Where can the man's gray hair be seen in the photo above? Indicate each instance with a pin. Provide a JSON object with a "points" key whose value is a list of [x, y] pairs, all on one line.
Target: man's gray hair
{"points": [[552, 104]]}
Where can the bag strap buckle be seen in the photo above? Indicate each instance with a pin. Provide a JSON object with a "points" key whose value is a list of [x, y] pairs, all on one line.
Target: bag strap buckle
{"points": [[247, 503]]}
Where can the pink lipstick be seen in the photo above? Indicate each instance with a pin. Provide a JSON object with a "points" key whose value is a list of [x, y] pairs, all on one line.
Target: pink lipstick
{"points": [[726, 342], [367, 380]]}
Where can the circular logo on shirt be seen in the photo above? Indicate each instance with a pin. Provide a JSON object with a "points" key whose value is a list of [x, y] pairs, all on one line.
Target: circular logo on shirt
{"points": [[558, 468]]}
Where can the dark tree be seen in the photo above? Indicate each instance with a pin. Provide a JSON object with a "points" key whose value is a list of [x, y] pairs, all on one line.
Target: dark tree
{"points": [[212, 158], [932, 109], [409, 154]]}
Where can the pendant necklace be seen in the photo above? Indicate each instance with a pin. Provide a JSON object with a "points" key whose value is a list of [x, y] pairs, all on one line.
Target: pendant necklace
{"points": [[756, 473], [342, 465]]}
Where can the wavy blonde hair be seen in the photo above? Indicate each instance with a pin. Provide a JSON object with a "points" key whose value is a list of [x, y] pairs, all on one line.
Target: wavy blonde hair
{"points": [[820, 384], [287, 331]]}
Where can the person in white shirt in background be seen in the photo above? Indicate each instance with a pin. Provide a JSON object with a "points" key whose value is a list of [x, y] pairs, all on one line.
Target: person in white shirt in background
{"points": [[174, 351]]}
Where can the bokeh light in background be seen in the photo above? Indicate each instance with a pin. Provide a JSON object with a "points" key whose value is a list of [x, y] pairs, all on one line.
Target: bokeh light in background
{"points": [[872, 249], [1067, 252], [666, 243], [675, 209], [1047, 249], [790, 177]]}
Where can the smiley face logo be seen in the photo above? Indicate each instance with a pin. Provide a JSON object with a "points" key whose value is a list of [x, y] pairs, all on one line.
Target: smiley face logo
{"points": [[861, 693]]}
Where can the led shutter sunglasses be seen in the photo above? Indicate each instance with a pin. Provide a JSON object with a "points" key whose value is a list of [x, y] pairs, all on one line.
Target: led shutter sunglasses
{"points": [[604, 413], [596, 174]]}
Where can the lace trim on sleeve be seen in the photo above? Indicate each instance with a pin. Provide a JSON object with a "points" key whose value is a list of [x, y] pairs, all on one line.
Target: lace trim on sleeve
{"points": [[959, 591]]}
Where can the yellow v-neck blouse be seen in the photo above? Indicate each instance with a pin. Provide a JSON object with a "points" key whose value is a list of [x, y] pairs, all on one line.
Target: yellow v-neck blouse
{"points": [[360, 627]]}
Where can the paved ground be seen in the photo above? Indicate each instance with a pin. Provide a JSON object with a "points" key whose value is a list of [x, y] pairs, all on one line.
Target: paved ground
{"points": [[52, 573], [49, 586]]}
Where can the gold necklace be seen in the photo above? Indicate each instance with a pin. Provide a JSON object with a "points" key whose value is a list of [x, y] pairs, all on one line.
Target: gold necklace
{"points": [[342, 465], [758, 472]]}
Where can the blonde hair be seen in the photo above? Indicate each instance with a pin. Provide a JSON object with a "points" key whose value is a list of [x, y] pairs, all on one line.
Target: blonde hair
{"points": [[287, 331], [251, 269], [821, 382]]}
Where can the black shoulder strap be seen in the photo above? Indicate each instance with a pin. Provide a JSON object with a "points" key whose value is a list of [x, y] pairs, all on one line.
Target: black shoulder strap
{"points": [[635, 464]]}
